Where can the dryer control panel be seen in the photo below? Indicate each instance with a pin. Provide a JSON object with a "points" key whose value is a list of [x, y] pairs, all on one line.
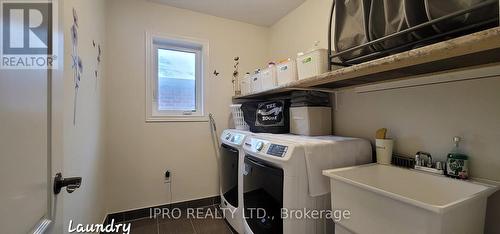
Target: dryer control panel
{"points": [[277, 150]]}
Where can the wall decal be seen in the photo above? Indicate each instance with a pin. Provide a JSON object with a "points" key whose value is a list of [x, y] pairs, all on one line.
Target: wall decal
{"points": [[99, 53], [77, 62], [98, 61], [236, 73], [216, 73]]}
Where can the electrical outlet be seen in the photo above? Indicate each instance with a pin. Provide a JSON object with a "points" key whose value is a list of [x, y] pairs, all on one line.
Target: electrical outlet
{"points": [[168, 177]]}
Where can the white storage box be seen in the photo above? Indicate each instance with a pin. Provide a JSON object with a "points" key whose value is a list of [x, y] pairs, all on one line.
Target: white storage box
{"points": [[268, 78], [286, 72], [246, 85], [256, 82], [311, 120], [312, 64]]}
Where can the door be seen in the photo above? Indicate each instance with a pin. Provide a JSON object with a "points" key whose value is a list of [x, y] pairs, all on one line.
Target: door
{"points": [[263, 189], [24, 149], [27, 161]]}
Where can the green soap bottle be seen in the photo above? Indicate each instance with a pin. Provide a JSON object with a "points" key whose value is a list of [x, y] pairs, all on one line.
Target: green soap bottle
{"points": [[457, 163]]}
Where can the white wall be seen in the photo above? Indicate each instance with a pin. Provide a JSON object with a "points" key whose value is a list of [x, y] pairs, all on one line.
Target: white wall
{"points": [[426, 118], [139, 152], [84, 142], [420, 118], [297, 31]]}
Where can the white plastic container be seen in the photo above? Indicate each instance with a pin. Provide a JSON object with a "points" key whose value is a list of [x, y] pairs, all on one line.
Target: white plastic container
{"points": [[286, 72], [268, 78], [311, 121], [384, 150], [312, 63], [239, 121], [256, 82], [246, 85]]}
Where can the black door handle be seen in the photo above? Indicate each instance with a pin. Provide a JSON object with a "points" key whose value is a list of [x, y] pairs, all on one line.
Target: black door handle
{"points": [[71, 183]]}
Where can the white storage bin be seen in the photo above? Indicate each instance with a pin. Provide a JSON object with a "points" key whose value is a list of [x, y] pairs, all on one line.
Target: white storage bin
{"points": [[311, 120], [286, 72], [312, 63], [246, 85], [239, 121], [268, 78], [256, 82]]}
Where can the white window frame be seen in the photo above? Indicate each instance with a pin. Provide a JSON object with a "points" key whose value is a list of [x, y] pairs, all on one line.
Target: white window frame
{"points": [[155, 41]]}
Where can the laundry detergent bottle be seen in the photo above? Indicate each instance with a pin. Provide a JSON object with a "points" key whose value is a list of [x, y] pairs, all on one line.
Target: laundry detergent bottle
{"points": [[457, 163]]}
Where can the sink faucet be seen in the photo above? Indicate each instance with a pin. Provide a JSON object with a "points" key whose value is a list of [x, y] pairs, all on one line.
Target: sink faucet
{"points": [[419, 161], [427, 165]]}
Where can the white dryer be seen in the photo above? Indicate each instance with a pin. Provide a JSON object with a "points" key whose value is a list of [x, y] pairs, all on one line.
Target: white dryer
{"points": [[231, 163], [284, 173]]}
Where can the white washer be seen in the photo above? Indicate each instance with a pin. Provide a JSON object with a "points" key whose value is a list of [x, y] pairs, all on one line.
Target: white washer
{"points": [[231, 164], [278, 170]]}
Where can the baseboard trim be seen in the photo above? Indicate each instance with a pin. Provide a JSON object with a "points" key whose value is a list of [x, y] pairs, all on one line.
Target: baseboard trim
{"points": [[142, 213]]}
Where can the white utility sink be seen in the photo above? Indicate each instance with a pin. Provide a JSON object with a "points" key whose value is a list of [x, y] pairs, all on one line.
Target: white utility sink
{"points": [[386, 199]]}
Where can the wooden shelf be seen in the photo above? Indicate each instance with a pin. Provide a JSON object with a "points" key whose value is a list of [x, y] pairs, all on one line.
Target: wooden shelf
{"points": [[477, 49]]}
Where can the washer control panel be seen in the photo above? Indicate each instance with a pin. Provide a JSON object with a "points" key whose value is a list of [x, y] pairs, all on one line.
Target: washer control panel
{"points": [[277, 150], [266, 148]]}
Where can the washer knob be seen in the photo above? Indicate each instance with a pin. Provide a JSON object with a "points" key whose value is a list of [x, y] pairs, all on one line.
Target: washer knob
{"points": [[228, 136], [259, 146]]}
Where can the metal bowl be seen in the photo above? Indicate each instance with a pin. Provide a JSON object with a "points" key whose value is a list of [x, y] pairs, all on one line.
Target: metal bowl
{"points": [[387, 17], [351, 29], [439, 8], [415, 14]]}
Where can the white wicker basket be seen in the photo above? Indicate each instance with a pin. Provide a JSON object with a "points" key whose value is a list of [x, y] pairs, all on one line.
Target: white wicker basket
{"points": [[239, 122]]}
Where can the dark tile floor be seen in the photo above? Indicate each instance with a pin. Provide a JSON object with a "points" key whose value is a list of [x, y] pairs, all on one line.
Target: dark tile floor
{"points": [[184, 225]]}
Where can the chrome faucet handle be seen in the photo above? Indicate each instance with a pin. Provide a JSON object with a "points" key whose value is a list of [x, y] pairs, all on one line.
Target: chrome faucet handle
{"points": [[429, 162], [439, 165], [418, 161]]}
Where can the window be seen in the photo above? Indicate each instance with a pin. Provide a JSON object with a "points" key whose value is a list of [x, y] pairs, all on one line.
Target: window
{"points": [[175, 79]]}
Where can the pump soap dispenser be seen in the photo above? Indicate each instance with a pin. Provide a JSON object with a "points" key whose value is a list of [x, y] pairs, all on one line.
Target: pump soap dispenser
{"points": [[457, 162]]}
